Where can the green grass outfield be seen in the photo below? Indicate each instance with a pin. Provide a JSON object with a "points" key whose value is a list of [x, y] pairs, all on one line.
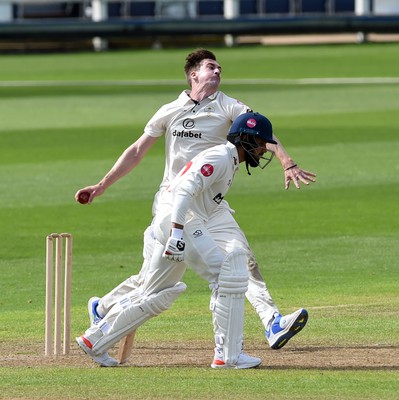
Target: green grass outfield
{"points": [[331, 247]]}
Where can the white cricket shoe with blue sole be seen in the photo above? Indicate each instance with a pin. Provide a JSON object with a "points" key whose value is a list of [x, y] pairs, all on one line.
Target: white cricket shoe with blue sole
{"points": [[283, 328]]}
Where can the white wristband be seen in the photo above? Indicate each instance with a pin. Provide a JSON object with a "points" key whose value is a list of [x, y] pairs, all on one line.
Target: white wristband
{"points": [[176, 233]]}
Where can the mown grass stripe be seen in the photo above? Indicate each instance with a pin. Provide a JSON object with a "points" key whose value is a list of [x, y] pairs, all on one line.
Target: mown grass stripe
{"points": [[173, 82]]}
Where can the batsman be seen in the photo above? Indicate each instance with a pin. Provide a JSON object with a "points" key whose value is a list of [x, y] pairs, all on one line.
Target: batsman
{"points": [[184, 228]]}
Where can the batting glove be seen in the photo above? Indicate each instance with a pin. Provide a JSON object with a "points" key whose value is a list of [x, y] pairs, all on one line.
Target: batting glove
{"points": [[174, 249]]}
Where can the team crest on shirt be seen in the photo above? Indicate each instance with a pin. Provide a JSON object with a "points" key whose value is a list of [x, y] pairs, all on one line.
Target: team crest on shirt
{"points": [[207, 170], [209, 109]]}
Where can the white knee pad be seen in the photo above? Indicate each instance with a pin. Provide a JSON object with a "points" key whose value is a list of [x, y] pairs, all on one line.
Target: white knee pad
{"points": [[227, 305], [129, 315]]}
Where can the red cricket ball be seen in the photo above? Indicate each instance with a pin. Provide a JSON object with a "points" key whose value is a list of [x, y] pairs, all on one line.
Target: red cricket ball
{"points": [[83, 197]]}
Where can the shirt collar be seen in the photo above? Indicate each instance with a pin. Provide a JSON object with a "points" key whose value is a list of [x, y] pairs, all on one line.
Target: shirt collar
{"points": [[185, 96], [234, 155]]}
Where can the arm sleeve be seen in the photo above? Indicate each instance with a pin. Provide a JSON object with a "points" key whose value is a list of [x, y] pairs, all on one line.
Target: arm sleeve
{"points": [[181, 204], [156, 125]]}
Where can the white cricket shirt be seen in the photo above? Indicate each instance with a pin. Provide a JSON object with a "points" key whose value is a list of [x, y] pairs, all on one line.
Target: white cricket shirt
{"points": [[190, 127], [202, 184]]}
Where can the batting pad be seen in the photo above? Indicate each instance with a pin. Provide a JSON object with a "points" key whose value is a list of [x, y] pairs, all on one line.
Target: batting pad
{"points": [[129, 317], [228, 306]]}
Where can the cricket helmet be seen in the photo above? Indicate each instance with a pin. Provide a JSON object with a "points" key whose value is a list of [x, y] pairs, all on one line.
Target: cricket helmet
{"points": [[245, 132], [251, 123]]}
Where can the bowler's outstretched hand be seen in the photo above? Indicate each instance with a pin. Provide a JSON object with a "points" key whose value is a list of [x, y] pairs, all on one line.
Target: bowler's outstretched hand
{"points": [[297, 175]]}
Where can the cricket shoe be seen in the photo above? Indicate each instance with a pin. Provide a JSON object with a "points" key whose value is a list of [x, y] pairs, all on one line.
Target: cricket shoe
{"points": [[283, 328], [104, 359], [243, 361], [95, 318]]}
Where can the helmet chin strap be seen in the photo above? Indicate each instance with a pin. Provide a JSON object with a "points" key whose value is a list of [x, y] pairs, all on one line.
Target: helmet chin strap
{"points": [[249, 159], [247, 164]]}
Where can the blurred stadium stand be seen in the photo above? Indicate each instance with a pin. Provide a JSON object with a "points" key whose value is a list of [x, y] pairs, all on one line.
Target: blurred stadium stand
{"points": [[185, 21]]}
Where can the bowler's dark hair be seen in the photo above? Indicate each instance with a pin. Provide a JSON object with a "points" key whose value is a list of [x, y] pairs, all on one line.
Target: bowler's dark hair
{"points": [[194, 59]]}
